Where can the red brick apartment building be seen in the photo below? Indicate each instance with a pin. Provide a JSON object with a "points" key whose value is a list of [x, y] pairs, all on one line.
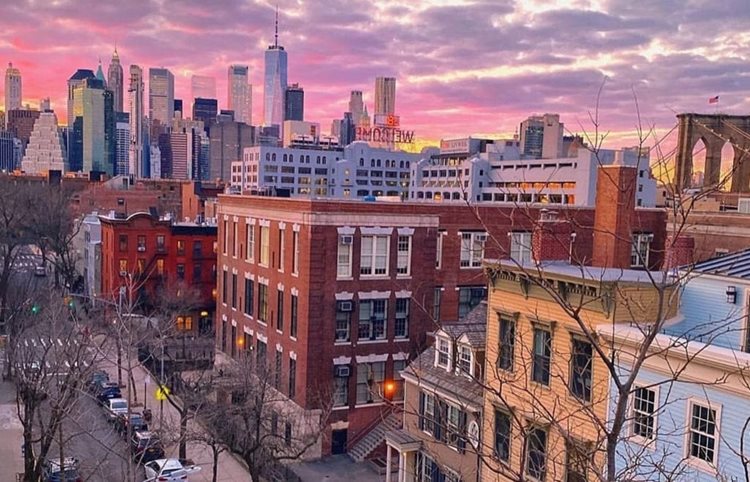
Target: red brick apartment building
{"points": [[338, 296], [166, 257]]}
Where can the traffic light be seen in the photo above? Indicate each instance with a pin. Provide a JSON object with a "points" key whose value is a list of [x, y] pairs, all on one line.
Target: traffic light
{"points": [[35, 309], [70, 302]]}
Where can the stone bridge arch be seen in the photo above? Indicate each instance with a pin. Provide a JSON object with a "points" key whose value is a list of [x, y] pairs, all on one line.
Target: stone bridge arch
{"points": [[715, 130]]}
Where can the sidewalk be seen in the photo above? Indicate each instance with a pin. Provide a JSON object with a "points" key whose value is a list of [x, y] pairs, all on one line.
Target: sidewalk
{"points": [[230, 469], [11, 431]]}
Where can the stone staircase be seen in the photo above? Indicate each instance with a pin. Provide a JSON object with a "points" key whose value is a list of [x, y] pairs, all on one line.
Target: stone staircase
{"points": [[375, 437]]}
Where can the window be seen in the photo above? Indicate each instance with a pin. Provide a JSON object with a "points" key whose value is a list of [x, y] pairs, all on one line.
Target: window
{"points": [[123, 266], [292, 377], [288, 434], [644, 413], [279, 310], [142, 265], [520, 247], [224, 281], [372, 319], [403, 261], [640, 250], [234, 341], [234, 291], [277, 370], [469, 297], [344, 257], [225, 232], [123, 242], [180, 247], [262, 303], [427, 469], [340, 386], [160, 244], [507, 342], [472, 249], [293, 318], [581, 369], [281, 249], [576, 462], [250, 235], [439, 251], [502, 436], [443, 353], [180, 271], [465, 360], [265, 246], [274, 423], [343, 321], [249, 292], [295, 252], [401, 327], [703, 433], [184, 323], [197, 249], [536, 453], [370, 382], [426, 412], [456, 427], [260, 355], [374, 256], [160, 267], [398, 380], [541, 356], [436, 299], [141, 243]]}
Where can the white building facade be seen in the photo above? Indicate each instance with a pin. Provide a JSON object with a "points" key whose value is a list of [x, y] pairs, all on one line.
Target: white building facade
{"points": [[46, 150]]}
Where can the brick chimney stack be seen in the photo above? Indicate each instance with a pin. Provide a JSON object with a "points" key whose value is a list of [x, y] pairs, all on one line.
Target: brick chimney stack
{"points": [[614, 216], [680, 251], [551, 238]]}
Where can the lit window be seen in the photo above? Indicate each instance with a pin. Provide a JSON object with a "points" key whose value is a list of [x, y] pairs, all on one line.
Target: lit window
{"points": [[265, 245], [180, 247], [262, 303]]}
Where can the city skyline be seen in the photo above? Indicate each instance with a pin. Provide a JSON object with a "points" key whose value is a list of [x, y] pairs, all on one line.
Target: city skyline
{"points": [[502, 62]]}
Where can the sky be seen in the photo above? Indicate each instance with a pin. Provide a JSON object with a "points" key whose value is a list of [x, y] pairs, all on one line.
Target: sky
{"points": [[462, 67]]}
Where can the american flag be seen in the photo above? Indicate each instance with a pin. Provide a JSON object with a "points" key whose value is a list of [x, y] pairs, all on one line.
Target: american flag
{"points": [[713, 100]]}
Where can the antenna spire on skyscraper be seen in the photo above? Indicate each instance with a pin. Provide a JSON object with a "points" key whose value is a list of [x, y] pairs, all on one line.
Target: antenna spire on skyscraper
{"points": [[276, 30]]}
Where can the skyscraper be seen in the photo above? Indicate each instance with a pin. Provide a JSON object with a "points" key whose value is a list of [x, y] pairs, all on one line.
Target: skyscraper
{"points": [[205, 110], [294, 103], [93, 148], [135, 154], [115, 80], [239, 93], [160, 95], [13, 94], [274, 86], [356, 106], [100, 74], [122, 151], [385, 95], [75, 80], [202, 86], [541, 137]]}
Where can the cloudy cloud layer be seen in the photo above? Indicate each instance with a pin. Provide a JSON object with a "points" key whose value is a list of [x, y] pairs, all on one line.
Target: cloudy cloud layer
{"points": [[463, 67]]}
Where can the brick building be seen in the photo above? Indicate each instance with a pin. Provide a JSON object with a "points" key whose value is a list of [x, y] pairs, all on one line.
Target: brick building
{"points": [[166, 260], [337, 296]]}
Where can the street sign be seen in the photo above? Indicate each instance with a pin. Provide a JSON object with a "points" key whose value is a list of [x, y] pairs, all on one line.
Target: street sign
{"points": [[161, 393]]}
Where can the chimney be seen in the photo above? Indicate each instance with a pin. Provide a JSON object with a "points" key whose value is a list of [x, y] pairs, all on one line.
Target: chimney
{"points": [[551, 238], [613, 216], [680, 251]]}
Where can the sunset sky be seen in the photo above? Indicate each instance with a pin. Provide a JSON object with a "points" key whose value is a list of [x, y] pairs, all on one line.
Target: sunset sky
{"points": [[463, 67]]}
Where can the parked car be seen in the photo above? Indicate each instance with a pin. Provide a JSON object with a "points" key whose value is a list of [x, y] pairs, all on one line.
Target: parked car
{"points": [[96, 379], [135, 422], [109, 390], [52, 470], [115, 407], [170, 470], [145, 447]]}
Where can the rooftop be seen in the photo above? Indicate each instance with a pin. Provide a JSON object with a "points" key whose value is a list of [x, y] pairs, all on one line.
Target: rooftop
{"points": [[590, 273], [473, 326], [735, 265]]}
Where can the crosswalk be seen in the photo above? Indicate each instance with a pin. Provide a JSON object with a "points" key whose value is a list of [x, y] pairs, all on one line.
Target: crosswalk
{"points": [[56, 353]]}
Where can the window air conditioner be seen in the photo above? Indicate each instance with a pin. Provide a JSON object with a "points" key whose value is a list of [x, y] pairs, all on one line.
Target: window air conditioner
{"points": [[342, 371], [346, 306], [347, 239]]}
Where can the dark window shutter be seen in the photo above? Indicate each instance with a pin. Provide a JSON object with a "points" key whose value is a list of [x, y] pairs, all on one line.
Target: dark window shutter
{"points": [[421, 410], [462, 431]]}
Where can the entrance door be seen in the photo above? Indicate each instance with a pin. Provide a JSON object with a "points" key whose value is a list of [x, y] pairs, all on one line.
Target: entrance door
{"points": [[338, 442]]}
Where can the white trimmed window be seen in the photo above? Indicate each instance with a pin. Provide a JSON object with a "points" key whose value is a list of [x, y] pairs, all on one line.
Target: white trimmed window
{"points": [[372, 315], [472, 249], [282, 248], [250, 242], [640, 250], [465, 360], [370, 378], [374, 256], [704, 433], [345, 257], [265, 245], [443, 353], [439, 250], [520, 247], [295, 252], [403, 262], [644, 413], [401, 325], [225, 238], [234, 239]]}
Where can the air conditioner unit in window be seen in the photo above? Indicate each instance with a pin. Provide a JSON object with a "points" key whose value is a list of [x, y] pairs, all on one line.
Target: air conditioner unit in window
{"points": [[481, 238], [123, 273], [141, 249], [347, 239], [342, 371], [346, 306]]}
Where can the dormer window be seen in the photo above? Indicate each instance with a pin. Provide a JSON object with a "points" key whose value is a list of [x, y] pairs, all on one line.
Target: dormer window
{"points": [[443, 353], [465, 360]]}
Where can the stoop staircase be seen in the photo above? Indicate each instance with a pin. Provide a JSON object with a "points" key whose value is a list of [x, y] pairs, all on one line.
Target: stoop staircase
{"points": [[375, 437]]}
